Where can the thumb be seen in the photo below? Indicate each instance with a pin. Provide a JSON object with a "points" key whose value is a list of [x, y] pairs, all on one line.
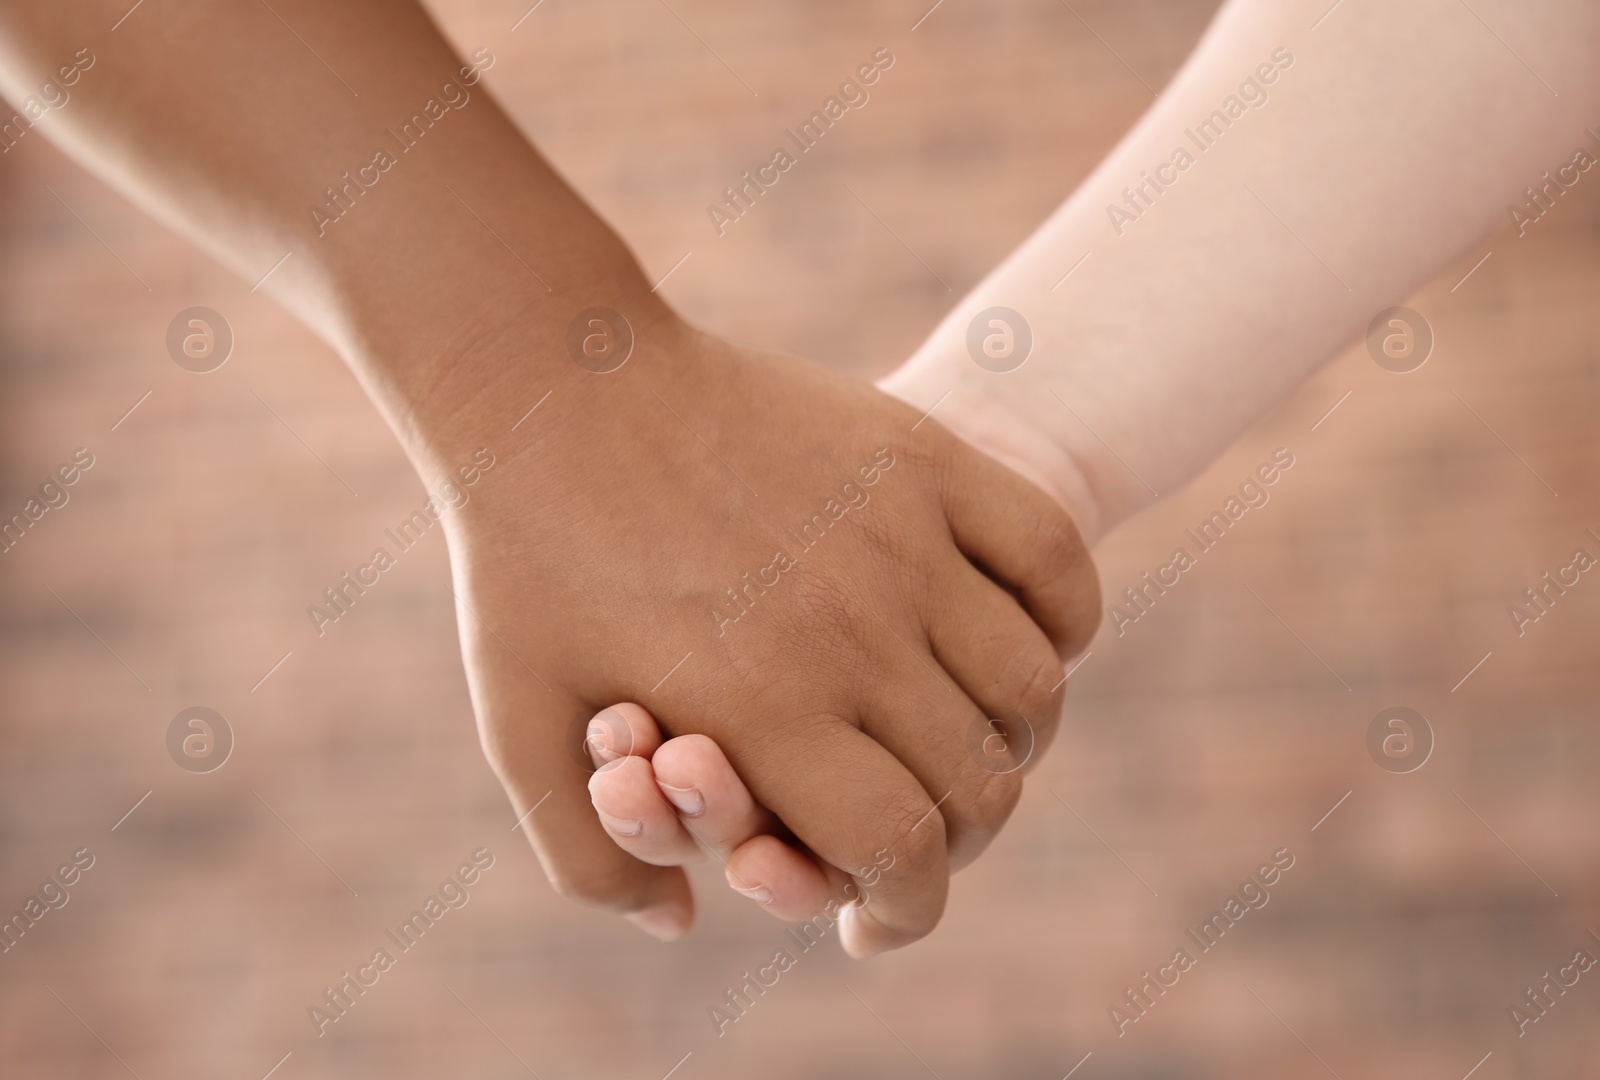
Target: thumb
{"points": [[524, 727]]}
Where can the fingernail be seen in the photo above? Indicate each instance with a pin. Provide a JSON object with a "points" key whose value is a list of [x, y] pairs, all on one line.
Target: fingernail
{"points": [[688, 800], [597, 739], [759, 893], [662, 923], [621, 826]]}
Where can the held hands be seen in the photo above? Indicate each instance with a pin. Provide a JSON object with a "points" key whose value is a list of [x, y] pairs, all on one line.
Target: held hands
{"points": [[799, 567], [670, 803], [787, 563]]}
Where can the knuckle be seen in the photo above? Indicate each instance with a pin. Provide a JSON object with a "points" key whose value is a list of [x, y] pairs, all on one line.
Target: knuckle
{"points": [[1035, 683], [1055, 547], [994, 798], [921, 839]]}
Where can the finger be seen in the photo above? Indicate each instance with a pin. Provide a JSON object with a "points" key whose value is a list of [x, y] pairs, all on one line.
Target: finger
{"points": [[693, 774], [1024, 538], [784, 880], [853, 805], [664, 811], [623, 730], [925, 721], [1004, 663], [635, 815], [719, 811], [522, 725], [687, 779]]}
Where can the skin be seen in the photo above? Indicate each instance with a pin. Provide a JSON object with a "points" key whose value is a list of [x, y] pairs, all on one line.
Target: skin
{"points": [[589, 562], [1396, 141], [1398, 138]]}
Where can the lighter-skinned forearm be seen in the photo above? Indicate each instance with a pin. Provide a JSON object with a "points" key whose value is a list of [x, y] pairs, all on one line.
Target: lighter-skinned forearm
{"points": [[1389, 141]]}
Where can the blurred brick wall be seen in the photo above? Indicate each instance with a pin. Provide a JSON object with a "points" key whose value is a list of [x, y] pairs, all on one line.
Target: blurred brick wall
{"points": [[1213, 733]]}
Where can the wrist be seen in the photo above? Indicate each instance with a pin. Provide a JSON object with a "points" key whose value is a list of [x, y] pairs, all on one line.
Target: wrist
{"points": [[473, 373], [988, 421], [450, 291]]}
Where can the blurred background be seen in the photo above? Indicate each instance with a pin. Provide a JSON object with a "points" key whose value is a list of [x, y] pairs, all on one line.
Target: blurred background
{"points": [[1221, 728]]}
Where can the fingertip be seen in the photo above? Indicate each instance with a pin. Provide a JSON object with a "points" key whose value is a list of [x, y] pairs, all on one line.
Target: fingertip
{"points": [[761, 894], [630, 773], [687, 801], [689, 755], [622, 791], [785, 881], [665, 922], [862, 936], [851, 937], [691, 768], [622, 730]]}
